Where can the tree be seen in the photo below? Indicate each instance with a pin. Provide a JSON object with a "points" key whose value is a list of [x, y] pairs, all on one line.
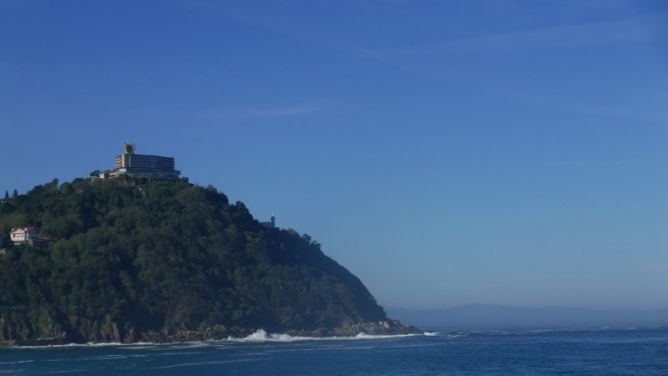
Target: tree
{"points": [[6, 195], [307, 238], [15, 194]]}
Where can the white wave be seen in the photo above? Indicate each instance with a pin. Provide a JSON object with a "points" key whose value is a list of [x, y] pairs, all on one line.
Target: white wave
{"points": [[89, 344], [258, 336], [456, 335], [139, 344], [262, 336], [16, 362], [381, 336], [128, 346]]}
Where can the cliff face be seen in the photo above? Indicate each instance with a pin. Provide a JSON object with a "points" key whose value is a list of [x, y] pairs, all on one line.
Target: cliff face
{"points": [[131, 260]]}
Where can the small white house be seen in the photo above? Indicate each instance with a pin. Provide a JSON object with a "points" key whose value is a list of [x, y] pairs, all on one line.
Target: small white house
{"points": [[23, 235]]}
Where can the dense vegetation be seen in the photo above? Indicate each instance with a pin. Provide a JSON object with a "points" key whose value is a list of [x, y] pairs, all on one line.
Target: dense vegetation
{"points": [[130, 259]]}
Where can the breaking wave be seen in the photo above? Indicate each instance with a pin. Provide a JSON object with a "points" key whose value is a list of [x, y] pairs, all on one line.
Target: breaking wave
{"points": [[262, 336], [259, 336]]}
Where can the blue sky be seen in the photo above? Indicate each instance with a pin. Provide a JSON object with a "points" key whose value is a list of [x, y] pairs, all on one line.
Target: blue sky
{"points": [[446, 152]]}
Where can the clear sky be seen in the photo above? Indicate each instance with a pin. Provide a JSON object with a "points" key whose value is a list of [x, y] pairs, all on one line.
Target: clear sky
{"points": [[446, 152]]}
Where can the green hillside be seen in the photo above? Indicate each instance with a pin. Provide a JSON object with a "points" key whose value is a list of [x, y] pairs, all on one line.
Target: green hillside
{"points": [[129, 260]]}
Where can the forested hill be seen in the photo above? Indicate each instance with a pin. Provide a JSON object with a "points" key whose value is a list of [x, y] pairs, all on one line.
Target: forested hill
{"points": [[131, 260]]}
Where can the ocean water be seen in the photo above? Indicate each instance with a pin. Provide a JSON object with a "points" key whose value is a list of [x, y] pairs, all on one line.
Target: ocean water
{"points": [[583, 352]]}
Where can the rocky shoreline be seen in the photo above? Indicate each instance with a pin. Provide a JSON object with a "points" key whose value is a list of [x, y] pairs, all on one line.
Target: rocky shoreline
{"points": [[220, 332]]}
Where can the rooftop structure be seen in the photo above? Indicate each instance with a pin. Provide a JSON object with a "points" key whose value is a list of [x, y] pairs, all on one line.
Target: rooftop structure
{"points": [[151, 166], [271, 223]]}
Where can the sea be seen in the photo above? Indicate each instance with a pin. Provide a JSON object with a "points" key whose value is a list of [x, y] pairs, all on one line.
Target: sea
{"points": [[603, 351]]}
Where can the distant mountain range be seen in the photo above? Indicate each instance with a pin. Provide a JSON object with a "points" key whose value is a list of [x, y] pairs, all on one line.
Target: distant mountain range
{"points": [[487, 316]]}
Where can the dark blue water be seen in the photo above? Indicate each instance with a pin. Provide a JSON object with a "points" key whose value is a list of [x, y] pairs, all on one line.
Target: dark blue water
{"points": [[612, 352]]}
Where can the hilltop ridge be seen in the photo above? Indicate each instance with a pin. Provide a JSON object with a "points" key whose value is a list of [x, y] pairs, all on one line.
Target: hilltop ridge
{"points": [[130, 259]]}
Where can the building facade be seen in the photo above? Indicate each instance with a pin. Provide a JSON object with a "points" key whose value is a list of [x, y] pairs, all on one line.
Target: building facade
{"points": [[151, 166], [23, 235]]}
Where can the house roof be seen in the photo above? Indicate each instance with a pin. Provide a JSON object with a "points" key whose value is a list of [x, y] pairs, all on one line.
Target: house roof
{"points": [[26, 229]]}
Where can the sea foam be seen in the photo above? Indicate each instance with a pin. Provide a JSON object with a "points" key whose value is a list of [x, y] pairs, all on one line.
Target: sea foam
{"points": [[262, 336], [258, 336]]}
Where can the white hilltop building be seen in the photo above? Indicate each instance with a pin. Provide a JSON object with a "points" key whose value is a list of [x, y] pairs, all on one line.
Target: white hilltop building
{"points": [[141, 165]]}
